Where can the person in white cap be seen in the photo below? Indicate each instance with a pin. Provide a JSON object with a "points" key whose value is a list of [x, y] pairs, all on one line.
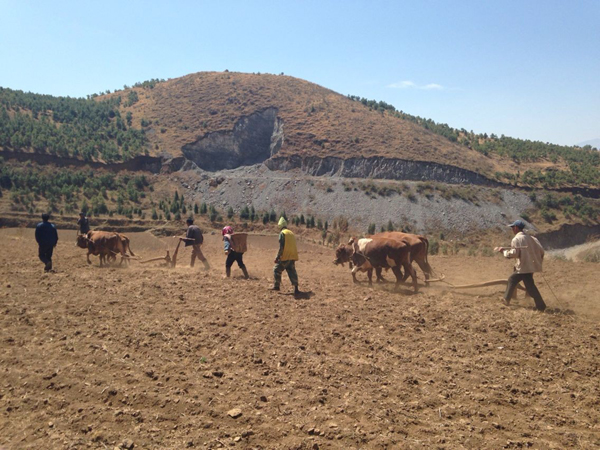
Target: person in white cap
{"points": [[286, 257], [529, 254]]}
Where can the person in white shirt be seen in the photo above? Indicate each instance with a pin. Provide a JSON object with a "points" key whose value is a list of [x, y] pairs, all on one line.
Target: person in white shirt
{"points": [[529, 254]]}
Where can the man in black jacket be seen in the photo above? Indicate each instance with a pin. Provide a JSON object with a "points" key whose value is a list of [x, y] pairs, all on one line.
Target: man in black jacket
{"points": [[194, 238], [47, 237], [84, 223]]}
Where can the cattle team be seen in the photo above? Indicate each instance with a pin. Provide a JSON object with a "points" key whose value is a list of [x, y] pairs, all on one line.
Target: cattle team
{"points": [[386, 250]]}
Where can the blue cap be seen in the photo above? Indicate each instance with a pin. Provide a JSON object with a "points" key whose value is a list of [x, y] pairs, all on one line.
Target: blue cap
{"points": [[518, 223]]}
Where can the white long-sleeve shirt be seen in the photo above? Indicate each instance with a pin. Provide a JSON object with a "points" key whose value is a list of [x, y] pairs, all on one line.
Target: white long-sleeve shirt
{"points": [[528, 251]]}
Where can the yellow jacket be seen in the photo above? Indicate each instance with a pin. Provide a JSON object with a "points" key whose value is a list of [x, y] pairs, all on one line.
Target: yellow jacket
{"points": [[287, 246]]}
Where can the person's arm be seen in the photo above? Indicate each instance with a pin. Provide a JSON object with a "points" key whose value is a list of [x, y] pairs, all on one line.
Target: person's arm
{"points": [[37, 234], [514, 251], [55, 235], [227, 245], [189, 236], [509, 252], [281, 245]]}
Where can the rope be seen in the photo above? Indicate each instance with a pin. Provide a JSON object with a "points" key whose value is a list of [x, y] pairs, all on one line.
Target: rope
{"points": [[551, 290]]}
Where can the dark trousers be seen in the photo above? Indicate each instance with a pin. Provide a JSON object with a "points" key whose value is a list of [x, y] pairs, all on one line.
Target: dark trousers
{"points": [[197, 253], [45, 254], [234, 257], [532, 290], [290, 268]]}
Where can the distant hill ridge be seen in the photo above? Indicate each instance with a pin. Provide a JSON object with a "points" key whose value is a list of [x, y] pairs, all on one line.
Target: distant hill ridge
{"points": [[224, 120]]}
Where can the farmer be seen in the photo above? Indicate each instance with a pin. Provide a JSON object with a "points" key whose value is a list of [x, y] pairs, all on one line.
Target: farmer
{"points": [[47, 237], [232, 254], [286, 257], [84, 223], [529, 254], [194, 238]]}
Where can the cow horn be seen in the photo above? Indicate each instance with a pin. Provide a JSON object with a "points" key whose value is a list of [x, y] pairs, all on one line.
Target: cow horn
{"points": [[351, 241]]}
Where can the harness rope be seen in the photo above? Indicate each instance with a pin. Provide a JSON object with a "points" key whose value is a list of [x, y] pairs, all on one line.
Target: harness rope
{"points": [[551, 290]]}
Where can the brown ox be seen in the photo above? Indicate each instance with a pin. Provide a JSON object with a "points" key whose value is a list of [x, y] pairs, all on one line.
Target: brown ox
{"points": [[125, 241], [105, 244], [418, 247], [343, 254], [382, 253]]}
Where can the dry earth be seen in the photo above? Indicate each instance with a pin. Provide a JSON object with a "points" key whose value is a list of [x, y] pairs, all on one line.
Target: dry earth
{"points": [[150, 357]]}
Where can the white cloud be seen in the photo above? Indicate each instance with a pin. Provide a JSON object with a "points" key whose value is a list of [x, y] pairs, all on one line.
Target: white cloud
{"points": [[411, 85], [402, 85]]}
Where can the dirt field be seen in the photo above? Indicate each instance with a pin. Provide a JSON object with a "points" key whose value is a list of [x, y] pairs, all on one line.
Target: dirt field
{"points": [[150, 357]]}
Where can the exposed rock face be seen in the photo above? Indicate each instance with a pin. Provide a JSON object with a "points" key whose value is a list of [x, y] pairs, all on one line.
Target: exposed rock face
{"points": [[380, 167], [568, 236], [254, 139]]}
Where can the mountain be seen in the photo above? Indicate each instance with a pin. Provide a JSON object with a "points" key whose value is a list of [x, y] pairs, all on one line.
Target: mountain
{"points": [[228, 139], [592, 142], [224, 120]]}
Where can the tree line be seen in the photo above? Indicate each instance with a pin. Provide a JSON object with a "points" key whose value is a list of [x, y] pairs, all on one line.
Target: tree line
{"points": [[68, 191], [68, 127], [583, 163]]}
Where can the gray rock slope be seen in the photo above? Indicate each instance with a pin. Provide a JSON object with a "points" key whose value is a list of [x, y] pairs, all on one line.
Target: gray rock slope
{"points": [[330, 197]]}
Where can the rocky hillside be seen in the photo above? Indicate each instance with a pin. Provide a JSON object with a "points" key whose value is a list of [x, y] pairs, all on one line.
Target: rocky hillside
{"points": [[215, 121], [224, 120], [241, 140]]}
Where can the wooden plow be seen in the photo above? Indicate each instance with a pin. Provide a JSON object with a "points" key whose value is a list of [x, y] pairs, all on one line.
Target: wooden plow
{"points": [[169, 261], [501, 282], [476, 285]]}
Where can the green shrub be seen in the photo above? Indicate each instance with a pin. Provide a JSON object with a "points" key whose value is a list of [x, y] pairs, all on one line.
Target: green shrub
{"points": [[487, 251], [434, 247]]}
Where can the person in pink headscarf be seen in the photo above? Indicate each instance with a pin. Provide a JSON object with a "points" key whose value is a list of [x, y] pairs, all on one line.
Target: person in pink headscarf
{"points": [[232, 254]]}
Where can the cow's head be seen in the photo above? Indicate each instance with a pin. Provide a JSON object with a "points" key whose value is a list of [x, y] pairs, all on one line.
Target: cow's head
{"points": [[343, 254], [82, 241]]}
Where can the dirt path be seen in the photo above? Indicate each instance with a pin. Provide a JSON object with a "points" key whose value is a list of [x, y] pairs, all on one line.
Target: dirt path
{"points": [[577, 252], [160, 358]]}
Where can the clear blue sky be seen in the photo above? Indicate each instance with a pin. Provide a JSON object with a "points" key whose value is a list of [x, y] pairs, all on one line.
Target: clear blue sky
{"points": [[527, 69]]}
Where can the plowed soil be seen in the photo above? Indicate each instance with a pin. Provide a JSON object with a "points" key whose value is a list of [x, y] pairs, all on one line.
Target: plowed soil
{"points": [[150, 357]]}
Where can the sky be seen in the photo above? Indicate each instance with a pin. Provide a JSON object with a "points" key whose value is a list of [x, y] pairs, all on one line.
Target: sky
{"points": [[525, 69]]}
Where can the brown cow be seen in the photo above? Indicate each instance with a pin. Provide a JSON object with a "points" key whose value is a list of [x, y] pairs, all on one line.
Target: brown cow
{"points": [[105, 244], [125, 241], [343, 254], [418, 245], [383, 253]]}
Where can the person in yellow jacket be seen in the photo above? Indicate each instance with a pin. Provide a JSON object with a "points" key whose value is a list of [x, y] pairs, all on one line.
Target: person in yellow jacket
{"points": [[286, 257]]}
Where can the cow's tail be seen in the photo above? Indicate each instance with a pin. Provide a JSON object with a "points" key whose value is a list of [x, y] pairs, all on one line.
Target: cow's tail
{"points": [[426, 241], [129, 248]]}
